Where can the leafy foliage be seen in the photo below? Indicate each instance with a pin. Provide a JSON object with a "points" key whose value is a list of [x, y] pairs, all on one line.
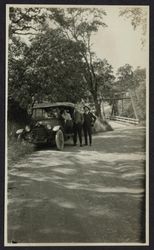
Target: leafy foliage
{"points": [[55, 61], [79, 24], [125, 79], [59, 63], [140, 79], [105, 77], [24, 21], [133, 81], [49, 69]]}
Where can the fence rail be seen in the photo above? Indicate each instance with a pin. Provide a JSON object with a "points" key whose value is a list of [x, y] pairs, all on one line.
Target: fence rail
{"points": [[124, 119]]}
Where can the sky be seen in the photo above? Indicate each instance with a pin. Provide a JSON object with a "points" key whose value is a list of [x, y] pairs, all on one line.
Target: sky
{"points": [[119, 43]]}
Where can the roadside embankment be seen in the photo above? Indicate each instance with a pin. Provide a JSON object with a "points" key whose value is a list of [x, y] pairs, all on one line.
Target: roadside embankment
{"points": [[16, 149], [101, 126]]}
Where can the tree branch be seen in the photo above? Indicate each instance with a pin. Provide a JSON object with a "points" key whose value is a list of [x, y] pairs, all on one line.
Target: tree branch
{"points": [[22, 33], [26, 27]]}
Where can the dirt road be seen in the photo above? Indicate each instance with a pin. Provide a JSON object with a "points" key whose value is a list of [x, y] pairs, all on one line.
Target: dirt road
{"points": [[89, 194]]}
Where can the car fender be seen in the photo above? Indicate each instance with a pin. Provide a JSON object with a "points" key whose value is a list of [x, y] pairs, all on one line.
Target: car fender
{"points": [[56, 128], [19, 131]]}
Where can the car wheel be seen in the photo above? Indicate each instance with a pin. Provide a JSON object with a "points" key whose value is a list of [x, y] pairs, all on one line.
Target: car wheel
{"points": [[59, 138]]}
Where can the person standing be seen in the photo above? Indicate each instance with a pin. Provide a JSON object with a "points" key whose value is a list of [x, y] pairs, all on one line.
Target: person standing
{"points": [[67, 119], [89, 120], [77, 126]]}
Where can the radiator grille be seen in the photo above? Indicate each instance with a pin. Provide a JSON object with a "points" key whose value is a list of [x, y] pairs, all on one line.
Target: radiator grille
{"points": [[39, 133]]}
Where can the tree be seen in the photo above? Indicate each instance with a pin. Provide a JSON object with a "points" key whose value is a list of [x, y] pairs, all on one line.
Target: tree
{"points": [[49, 69], [105, 77], [79, 24], [59, 56], [138, 17], [26, 21], [125, 79], [133, 82], [140, 80]]}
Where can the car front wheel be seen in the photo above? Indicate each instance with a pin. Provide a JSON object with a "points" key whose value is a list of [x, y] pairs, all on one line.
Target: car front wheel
{"points": [[59, 138]]}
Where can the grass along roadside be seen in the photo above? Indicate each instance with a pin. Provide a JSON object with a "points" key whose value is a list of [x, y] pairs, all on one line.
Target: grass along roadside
{"points": [[16, 150]]}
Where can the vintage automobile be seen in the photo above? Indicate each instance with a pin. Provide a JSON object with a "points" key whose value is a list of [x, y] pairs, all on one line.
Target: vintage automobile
{"points": [[48, 124]]}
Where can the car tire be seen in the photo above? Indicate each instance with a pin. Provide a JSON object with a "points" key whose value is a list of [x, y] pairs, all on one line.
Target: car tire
{"points": [[59, 138]]}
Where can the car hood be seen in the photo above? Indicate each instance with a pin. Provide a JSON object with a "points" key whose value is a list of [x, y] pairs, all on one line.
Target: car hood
{"points": [[52, 123]]}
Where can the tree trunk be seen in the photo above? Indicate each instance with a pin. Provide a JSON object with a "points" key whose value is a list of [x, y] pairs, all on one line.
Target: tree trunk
{"points": [[97, 107], [103, 111]]}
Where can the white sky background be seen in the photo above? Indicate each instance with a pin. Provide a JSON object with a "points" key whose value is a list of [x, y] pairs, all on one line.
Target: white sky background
{"points": [[119, 43]]}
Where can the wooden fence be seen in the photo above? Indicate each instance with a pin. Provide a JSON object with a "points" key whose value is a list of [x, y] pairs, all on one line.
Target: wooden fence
{"points": [[124, 119]]}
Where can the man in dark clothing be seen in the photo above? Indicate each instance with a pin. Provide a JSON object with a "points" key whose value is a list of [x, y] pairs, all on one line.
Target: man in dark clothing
{"points": [[89, 120], [78, 122]]}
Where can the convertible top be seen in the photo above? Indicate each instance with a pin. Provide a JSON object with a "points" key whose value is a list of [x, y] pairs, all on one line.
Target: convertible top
{"points": [[54, 105]]}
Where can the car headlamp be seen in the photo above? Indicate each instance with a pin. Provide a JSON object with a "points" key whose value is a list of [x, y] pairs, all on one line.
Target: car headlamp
{"points": [[48, 126], [56, 128], [27, 128], [38, 123]]}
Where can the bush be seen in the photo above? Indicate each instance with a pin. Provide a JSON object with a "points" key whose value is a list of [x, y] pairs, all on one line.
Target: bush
{"points": [[16, 149]]}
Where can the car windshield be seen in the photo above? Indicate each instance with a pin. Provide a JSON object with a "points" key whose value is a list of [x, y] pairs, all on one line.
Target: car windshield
{"points": [[45, 113]]}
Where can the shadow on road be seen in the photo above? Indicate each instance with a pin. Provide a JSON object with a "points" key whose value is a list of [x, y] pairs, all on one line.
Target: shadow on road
{"points": [[89, 194]]}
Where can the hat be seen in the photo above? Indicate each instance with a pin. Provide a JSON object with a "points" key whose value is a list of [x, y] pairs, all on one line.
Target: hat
{"points": [[86, 107]]}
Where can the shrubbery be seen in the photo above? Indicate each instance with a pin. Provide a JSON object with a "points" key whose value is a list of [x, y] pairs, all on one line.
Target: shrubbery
{"points": [[16, 149]]}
